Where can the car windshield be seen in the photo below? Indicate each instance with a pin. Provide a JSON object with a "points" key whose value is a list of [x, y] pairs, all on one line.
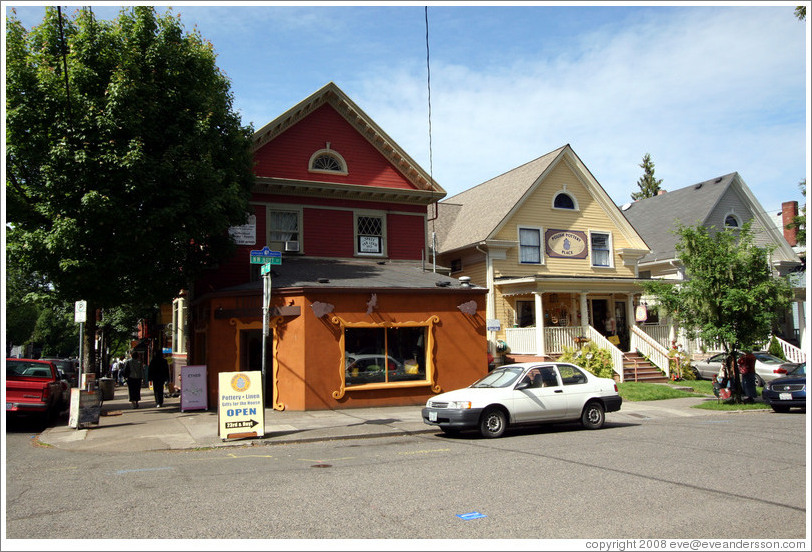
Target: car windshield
{"points": [[799, 370], [503, 377]]}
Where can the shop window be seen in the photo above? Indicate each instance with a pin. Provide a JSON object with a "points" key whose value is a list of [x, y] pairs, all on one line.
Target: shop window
{"points": [[601, 249], [530, 245], [384, 355], [369, 234]]}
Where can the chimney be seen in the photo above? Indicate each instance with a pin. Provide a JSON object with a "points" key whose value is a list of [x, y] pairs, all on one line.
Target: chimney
{"points": [[789, 210], [661, 192]]}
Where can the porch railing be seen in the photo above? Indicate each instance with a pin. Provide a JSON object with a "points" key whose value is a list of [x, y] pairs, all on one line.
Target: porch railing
{"points": [[603, 343], [521, 341], [651, 348], [791, 352], [659, 333]]}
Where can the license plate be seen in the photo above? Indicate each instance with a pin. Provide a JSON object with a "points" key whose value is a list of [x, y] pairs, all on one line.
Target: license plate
{"points": [[785, 396], [432, 416]]}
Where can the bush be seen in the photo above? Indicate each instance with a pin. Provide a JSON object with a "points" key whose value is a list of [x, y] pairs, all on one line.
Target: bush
{"points": [[775, 349], [683, 369], [591, 358]]}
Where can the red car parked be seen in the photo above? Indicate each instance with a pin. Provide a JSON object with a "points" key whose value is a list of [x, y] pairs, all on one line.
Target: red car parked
{"points": [[34, 387]]}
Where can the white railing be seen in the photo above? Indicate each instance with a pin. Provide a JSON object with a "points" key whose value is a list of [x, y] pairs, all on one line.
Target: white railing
{"points": [[660, 333], [558, 337], [603, 343], [650, 348], [521, 341], [791, 352]]}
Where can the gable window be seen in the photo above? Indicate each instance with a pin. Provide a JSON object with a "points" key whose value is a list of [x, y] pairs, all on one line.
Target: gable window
{"points": [[601, 248], [369, 234], [563, 201], [530, 245], [456, 265], [327, 161], [731, 221]]}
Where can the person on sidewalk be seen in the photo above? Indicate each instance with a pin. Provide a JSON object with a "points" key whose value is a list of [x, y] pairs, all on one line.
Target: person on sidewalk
{"points": [[158, 375], [747, 369], [134, 372]]}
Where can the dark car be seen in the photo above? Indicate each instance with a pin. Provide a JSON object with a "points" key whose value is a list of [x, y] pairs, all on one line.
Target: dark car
{"points": [[787, 392], [67, 367]]}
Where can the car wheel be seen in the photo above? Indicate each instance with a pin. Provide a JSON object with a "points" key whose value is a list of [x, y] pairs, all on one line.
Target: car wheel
{"points": [[593, 415], [493, 423], [780, 408]]}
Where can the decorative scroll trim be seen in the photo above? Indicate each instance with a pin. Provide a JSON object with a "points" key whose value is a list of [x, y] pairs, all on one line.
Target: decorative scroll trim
{"points": [[273, 323], [430, 371]]}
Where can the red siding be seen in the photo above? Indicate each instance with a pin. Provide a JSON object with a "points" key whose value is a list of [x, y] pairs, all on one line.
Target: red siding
{"points": [[406, 236], [287, 155], [328, 233]]}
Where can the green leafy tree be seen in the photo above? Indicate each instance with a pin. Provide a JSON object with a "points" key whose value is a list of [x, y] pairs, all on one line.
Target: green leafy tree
{"points": [[125, 161], [800, 13], [730, 294], [649, 186]]}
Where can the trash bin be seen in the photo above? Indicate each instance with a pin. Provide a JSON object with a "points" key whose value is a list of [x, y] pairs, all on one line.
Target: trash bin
{"points": [[108, 388]]}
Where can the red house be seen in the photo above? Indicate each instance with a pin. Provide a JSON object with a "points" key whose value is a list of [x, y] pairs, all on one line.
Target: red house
{"points": [[357, 319]]}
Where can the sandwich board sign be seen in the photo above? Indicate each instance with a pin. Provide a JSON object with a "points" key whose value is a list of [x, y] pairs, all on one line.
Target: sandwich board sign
{"points": [[240, 409]]}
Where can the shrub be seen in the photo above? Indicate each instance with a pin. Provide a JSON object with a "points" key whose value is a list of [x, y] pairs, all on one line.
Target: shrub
{"points": [[775, 349], [591, 358]]}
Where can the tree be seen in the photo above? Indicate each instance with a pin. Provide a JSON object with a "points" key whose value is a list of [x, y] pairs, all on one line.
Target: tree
{"points": [[730, 294], [126, 163], [649, 186], [800, 13]]}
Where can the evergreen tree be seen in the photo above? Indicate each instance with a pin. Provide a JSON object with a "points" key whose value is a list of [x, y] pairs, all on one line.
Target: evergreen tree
{"points": [[649, 186]]}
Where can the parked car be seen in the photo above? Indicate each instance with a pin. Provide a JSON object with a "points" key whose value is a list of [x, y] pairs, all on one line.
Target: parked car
{"points": [[33, 387], [768, 367], [525, 393], [368, 368], [787, 392], [68, 367]]}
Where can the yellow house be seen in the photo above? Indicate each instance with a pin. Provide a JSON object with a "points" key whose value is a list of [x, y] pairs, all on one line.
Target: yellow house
{"points": [[557, 255]]}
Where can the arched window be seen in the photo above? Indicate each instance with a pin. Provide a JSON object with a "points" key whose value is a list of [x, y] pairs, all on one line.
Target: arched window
{"points": [[327, 161], [563, 200], [731, 221]]}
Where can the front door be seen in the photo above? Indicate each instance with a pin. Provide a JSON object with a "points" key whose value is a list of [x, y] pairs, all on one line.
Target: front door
{"points": [[622, 325], [601, 317]]}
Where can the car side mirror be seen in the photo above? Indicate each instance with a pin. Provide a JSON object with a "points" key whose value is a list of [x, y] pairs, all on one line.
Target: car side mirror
{"points": [[522, 385]]}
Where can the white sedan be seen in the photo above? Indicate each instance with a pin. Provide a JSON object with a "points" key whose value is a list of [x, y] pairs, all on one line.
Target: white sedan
{"points": [[525, 393]]}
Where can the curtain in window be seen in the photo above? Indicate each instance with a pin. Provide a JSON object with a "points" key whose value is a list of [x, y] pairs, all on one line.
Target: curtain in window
{"points": [[530, 245], [284, 225]]}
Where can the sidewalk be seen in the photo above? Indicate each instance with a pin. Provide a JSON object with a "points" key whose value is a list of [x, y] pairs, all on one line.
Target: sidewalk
{"points": [[124, 429]]}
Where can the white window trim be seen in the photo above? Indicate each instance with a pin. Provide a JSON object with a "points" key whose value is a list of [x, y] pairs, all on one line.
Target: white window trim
{"points": [[611, 244], [572, 197], [288, 208], [735, 216], [378, 214], [332, 153], [541, 244]]}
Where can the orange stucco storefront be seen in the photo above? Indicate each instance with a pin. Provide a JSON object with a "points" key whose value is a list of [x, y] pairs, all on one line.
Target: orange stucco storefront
{"points": [[307, 366]]}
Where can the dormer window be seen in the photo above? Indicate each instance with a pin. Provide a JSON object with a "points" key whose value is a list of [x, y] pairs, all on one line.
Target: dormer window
{"points": [[327, 161], [563, 200]]}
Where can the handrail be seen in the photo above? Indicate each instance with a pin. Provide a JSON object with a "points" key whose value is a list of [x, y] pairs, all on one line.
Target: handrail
{"points": [[651, 349], [791, 352], [603, 343]]}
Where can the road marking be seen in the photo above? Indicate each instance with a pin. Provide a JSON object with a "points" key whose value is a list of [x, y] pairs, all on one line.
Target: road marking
{"points": [[323, 461], [232, 455], [426, 451], [119, 472]]}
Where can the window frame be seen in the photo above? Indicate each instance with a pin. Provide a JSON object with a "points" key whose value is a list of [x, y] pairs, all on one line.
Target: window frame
{"points": [[356, 215], [540, 246], [735, 217], [296, 209], [575, 206], [334, 155], [610, 249]]}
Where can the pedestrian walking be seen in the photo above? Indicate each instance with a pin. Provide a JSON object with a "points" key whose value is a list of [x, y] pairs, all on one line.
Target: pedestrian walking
{"points": [[158, 375], [134, 372], [118, 366], [747, 369]]}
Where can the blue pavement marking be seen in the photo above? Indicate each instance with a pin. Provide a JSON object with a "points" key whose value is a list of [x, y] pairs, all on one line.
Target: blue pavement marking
{"points": [[119, 472], [470, 516]]}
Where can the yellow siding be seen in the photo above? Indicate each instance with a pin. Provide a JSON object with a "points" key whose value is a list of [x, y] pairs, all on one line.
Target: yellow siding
{"points": [[537, 211]]}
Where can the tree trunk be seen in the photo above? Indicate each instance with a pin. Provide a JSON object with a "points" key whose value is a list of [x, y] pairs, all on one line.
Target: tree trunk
{"points": [[89, 340]]}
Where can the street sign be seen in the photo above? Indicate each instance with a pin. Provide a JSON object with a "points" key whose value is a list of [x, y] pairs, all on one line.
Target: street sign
{"points": [[265, 255], [266, 268], [80, 312]]}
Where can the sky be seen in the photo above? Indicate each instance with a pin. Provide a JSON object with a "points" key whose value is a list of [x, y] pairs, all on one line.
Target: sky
{"points": [[705, 89]]}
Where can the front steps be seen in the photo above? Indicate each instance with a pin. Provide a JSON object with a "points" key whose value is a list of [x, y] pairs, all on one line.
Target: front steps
{"points": [[637, 368]]}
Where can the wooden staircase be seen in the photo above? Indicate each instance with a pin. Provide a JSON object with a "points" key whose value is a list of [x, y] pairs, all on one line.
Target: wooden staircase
{"points": [[637, 368]]}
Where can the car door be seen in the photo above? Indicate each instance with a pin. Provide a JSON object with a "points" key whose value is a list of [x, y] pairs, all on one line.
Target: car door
{"points": [[543, 399], [709, 367]]}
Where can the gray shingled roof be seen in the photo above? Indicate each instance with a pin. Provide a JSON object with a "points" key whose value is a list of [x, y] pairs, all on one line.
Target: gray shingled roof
{"points": [[351, 273], [655, 218], [469, 217]]}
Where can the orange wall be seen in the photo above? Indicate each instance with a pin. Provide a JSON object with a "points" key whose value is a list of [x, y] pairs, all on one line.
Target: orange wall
{"points": [[309, 357]]}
